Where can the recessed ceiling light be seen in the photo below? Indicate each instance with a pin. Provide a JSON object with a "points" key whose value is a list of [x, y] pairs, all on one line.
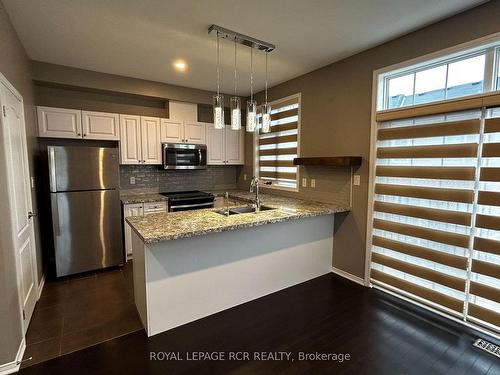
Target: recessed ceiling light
{"points": [[180, 65]]}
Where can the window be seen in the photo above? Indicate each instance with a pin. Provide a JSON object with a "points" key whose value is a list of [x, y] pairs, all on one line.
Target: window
{"points": [[278, 148], [434, 233], [454, 79]]}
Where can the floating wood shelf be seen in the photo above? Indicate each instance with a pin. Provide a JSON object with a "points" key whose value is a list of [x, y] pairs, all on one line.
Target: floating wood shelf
{"points": [[334, 161]]}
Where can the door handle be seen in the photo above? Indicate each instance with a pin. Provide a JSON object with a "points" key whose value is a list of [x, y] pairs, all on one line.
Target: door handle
{"points": [[32, 214]]}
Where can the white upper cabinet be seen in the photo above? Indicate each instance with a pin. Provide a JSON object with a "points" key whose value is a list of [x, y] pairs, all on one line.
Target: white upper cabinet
{"points": [[171, 131], [195, 132], [150, 135], [100, 125], [235, 146], [216, 154], [179, 131], [130, 139], [225, 146], [59, 122]]}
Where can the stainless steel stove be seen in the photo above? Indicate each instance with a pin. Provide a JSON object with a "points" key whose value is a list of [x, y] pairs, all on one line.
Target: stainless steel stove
{"points": [[188, 200]]}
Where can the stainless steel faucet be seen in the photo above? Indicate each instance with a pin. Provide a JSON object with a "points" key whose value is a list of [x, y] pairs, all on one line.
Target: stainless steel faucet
{"points": [[254, 187], [226, 198]]}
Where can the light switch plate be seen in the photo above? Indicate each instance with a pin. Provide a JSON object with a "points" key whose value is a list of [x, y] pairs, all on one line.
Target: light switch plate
{"points": [[32, 182], [304, 182], [244, 177], [132, 180], [313, 182], [356, 180]]}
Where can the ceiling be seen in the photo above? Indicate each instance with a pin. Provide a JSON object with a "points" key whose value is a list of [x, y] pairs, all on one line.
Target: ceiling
{"points": [[142, 39]]}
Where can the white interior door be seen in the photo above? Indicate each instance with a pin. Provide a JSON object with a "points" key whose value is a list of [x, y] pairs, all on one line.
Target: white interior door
{"points": [[14, 139]]}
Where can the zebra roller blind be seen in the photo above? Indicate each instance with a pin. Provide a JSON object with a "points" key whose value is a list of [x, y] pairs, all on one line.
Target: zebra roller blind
{"points": [[278, 148], [436, 212]]}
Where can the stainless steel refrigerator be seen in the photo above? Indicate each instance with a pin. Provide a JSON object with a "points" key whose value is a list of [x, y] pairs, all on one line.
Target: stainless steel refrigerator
{"points": [[85, 205]]}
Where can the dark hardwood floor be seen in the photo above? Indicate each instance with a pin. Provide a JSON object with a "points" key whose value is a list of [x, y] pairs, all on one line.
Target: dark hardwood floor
{"points": [[77, 312], [325, 315]]}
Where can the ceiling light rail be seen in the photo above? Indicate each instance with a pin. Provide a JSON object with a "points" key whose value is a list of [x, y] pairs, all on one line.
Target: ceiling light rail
{"points": [[242, 39]]}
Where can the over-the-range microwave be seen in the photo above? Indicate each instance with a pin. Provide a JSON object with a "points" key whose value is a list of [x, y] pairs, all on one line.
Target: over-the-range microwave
{"points": [[184, 156]]}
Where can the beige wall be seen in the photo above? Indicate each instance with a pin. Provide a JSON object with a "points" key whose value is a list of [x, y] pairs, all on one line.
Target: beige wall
{"points": [[336, 109], [80, 78], [14, 65]]}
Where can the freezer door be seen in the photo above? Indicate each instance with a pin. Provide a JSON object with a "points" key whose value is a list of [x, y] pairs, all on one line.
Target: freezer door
{"points": [[87, 230], [73, 168]]}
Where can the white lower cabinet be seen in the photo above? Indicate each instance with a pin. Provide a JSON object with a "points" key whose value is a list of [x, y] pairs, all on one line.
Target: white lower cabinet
{"points": [[225, 146], [130, 210], [138, 209]]}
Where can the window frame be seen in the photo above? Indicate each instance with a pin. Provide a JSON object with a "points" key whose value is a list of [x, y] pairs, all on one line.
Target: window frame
{"points": [[256, 164], [489, 45]]}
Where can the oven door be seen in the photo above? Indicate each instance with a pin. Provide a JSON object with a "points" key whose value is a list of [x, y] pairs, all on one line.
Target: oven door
{"points": [[184, 156]]}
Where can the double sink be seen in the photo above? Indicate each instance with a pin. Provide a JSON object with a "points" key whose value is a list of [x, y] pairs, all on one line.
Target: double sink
{"points": [[242, 210]]}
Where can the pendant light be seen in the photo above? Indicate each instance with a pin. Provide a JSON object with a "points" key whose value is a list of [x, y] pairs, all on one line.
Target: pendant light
{"points": [[251, 104], [266, 111], [218, 100], [235, 100]]}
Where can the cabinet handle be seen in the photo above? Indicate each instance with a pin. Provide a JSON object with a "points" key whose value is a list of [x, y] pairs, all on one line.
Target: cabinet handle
{"points": [[78, 134], [84, 134]]}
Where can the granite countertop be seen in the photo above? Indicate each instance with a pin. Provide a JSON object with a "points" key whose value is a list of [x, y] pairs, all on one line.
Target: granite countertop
{"points": [[174, 225], [131, 198]]}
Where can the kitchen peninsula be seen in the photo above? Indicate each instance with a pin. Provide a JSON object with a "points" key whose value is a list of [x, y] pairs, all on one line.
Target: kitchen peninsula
{"points": [[190, 264]]}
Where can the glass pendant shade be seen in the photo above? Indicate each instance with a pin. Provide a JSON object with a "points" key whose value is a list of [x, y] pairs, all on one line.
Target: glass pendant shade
{"points": [[266, 118], [235, 113], [251, 115], [218, 102]]}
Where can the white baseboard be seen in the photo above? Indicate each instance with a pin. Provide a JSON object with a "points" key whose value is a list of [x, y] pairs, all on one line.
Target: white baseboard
{"points": [[347, 275], [40, 286], [12, 367]]}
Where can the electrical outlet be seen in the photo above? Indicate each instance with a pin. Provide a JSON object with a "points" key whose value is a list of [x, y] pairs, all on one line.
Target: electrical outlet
{"points": [[304, 182], [244, 177], [313, 182], [132, 180], [357, 180]]}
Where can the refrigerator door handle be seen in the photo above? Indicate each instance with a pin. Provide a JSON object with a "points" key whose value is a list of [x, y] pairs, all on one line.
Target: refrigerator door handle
{"points": [[55, 216], [52, 170]]}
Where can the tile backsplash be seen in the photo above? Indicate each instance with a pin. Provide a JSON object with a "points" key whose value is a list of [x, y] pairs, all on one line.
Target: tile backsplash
{"points": [[154, 178]]}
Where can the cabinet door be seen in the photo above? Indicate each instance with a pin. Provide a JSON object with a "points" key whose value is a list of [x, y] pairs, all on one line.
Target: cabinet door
{"points": [[100, 125], [171, 131], [59, 122], [130, 210], [216, 153], [151, 145], [235, 146], [194, 132], [130, 139]]}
